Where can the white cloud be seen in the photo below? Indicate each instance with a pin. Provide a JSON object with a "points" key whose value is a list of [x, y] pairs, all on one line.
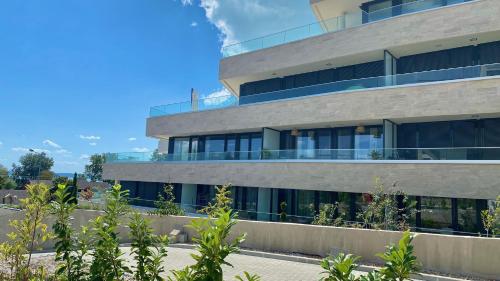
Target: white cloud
{"points": [[92, 143], [240, 20], [90, 137], [218, 97], [140, 149], [194, 24], [51, 144], [84, 156], [28, 150], [132, 139], [62, 151], [187, 2]]}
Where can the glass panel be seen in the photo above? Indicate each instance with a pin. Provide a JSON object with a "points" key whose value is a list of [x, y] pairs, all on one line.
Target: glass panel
{"points": [[244, 147], [467, 216], [324, 144], [181, 148], [256, 146], [194, 148], [436, 213], [306, 144], [305, 204], [344, 205], [344, 143], [368, 143], [214, 144], [230, 147]]}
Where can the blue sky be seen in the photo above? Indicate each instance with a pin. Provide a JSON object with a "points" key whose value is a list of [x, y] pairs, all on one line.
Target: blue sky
{"points": [[77, 77]]}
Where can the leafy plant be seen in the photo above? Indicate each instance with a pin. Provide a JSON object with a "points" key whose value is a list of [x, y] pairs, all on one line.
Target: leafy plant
{"points": [[5, 181], [488, 219], [165, 204], [373, 276], [28, 233], [61, 208], [222, 201], [339, 268], [382, 210], [399, 260], [149, 249], [327, 216], [107, 263]]}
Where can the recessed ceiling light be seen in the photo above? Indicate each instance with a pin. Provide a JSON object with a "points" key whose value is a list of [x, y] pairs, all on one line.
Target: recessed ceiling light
{"points": [[473, 39], [273, 74], [329, 64]]}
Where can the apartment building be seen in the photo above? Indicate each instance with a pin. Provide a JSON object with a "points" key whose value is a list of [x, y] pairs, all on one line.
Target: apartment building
{"points": [[407, 91]]}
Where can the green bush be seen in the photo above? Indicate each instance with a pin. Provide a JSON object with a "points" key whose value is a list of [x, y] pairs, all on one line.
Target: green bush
{"points": [[339, 268], [400, 260], [149, 249], [107, 261], [165, 204]]}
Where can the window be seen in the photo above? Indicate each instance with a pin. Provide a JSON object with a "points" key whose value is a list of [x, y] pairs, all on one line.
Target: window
{"points": [[436, 213], [214, 147], [255, 146], [306, 144], [368, 143], [230, 147], [244, 147], [181, 148], [467, 215], [345, 143], [324, 144], [305, 203]]}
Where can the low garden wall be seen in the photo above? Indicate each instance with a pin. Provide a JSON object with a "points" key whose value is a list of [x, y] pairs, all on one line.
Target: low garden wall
{"points": [[472, 256], [14, 194]]}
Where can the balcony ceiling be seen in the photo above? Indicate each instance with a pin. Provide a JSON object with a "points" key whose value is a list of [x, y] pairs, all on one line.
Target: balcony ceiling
{"points": [[327, 9]]}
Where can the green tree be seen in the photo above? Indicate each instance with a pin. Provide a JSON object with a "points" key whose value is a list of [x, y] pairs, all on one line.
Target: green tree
{"points": [[31, 165], [327, 216], [93, 171], [5, 181]]}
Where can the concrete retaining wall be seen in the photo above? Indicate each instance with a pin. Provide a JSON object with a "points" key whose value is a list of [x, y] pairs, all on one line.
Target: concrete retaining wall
{"points": [[472, 256]]}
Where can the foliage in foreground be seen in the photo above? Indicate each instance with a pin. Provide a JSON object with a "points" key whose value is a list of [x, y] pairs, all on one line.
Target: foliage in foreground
{"points": [[107, 261], [400, 263], [149, 249], [28, 234], [222, 201]]}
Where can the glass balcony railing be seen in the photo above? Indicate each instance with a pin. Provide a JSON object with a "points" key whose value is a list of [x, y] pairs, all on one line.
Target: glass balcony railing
{"points": [[460, 153], [333, 87], [198, 105], [332, 25]]}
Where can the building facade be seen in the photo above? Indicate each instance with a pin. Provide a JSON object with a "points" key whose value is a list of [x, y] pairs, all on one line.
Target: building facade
{"points": [[404, 91]]}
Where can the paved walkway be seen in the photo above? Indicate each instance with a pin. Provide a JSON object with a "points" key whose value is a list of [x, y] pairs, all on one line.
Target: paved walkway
{"points": [[266, 268]]}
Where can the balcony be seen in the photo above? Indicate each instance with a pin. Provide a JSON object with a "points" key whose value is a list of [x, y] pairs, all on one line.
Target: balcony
{"points": [[392, 154], [330, 88], [332, 25]]}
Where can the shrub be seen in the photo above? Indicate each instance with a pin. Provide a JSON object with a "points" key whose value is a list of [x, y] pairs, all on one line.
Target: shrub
{"points": [[327, 216], [212, 243], [222, 201], [149, 249], [339, 268], [400, 260], [28, 233], [107, 261], [61, 208], [165, 204], [383, 212]]}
